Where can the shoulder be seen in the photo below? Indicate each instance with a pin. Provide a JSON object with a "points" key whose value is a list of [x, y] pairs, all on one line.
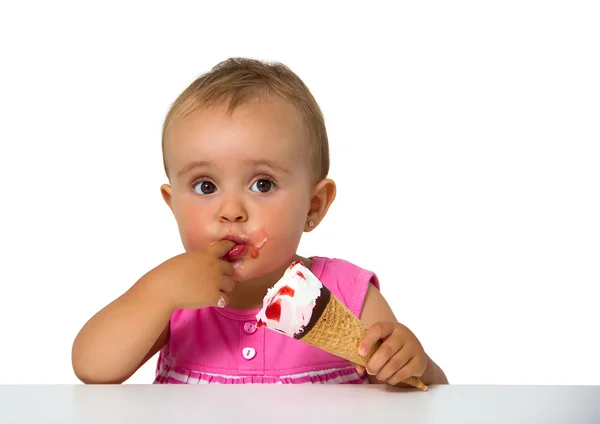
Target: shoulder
{"points": [[341, 271], [348, 281]]}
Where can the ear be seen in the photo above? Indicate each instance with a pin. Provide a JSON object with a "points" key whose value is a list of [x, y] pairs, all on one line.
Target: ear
{"points": [[323, 197], [165, 190]]}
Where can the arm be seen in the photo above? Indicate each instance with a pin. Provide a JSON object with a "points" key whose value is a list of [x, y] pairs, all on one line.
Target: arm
{"points": [[125, 334], [376, 311], [120, 338]]}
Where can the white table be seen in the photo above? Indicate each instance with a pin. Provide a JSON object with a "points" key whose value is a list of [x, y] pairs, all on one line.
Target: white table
{"points": [[306, 404]]}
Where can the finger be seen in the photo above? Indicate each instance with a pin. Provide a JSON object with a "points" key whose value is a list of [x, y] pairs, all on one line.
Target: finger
{"points": [[394, 364], [226, 268], [227, 285], [402, 374], [388, 349], [375, 333], [360, 369], [221, 248]]}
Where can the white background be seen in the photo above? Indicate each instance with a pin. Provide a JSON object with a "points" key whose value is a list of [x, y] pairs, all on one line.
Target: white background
{"points": [[465, 141]]}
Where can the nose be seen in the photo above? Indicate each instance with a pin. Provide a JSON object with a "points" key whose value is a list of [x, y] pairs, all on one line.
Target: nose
{"points": [[233, 211]]}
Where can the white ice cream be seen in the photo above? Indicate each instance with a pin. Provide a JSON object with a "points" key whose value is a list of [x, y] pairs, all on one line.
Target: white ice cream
{"points": [[289, 304]]}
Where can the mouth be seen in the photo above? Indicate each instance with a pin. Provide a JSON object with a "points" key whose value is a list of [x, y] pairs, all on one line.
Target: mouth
{"points": [[237, 251]]}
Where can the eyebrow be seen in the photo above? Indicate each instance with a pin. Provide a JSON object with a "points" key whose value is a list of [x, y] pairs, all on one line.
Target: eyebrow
{"points": [[270, 164], [205, 164], [192, 165]]}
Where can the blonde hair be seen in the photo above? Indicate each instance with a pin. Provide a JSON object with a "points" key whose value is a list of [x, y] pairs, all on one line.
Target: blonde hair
{"points": [[238, 80]]}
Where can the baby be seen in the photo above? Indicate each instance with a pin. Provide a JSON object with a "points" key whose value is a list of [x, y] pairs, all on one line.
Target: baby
{"points": [[246, 155]]}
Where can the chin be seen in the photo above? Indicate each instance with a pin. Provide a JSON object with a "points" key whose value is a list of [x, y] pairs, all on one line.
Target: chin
{"points": [[250, 269], [243, 272]]}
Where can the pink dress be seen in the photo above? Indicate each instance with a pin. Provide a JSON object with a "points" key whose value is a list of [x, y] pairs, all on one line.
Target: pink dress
{"points": [[224, 346]]}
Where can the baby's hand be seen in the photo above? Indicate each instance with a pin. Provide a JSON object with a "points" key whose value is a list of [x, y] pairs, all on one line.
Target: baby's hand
{"points": [[199, 278], [400, 355]]}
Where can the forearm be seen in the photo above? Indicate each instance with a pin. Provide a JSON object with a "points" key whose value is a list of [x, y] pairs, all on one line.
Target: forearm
{"points": [[114, 342]]}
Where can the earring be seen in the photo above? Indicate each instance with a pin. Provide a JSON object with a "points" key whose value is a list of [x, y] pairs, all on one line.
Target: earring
{"points": [[311, 224]]}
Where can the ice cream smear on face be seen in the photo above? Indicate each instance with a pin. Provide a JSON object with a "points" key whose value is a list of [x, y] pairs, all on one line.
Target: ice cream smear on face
{"points": [[289, 304], [244, 246]]}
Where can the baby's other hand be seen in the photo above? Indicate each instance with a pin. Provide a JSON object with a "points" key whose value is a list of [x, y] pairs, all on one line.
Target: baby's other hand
{"points": [[399, 357]]}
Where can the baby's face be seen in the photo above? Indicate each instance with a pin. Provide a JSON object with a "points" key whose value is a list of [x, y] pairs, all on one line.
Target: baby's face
{"points": [[245, 176]]}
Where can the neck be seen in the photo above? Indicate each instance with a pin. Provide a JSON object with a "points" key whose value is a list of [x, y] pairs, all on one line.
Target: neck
{"points": [[249, 294]]}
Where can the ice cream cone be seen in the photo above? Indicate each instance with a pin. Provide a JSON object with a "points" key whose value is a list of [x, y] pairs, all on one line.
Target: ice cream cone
{"points": [[335, 329], [300, 306]]}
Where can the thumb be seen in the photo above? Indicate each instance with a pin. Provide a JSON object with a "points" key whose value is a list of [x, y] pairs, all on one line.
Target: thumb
{"points": [[220, 248]]}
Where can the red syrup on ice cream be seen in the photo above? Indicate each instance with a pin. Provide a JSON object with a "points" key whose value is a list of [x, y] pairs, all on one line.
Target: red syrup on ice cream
{"points": [[273, 311], [286, 291], [293, 264]]}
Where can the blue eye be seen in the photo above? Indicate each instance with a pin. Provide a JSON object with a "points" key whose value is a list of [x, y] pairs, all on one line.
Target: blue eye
{"points": [[204, 187], [262, 186]]}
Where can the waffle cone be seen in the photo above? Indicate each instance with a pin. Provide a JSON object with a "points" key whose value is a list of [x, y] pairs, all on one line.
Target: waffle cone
{"points": [[339, 332]]}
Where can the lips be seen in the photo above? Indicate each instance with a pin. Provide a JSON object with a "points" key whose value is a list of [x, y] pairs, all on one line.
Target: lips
{"points": [[236, 252]]}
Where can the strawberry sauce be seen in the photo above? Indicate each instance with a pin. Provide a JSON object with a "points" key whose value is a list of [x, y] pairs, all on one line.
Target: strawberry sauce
{"points": [[293, 264], [286, 291], [273, 311]]}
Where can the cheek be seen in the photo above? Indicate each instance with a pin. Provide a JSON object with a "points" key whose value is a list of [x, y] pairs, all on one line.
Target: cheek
{"points": [[191, 221], [284, 223], [286, 212]]}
